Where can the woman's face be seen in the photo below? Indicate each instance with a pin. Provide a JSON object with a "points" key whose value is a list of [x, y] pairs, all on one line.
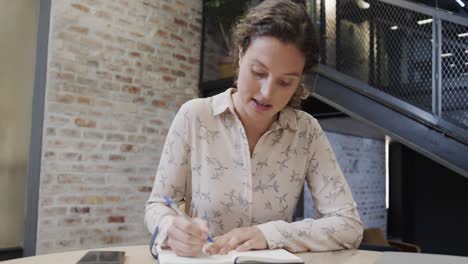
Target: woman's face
{"points": [[269, 74]]}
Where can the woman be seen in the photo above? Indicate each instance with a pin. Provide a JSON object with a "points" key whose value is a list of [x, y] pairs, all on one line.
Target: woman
{"points": [[245, 154]]}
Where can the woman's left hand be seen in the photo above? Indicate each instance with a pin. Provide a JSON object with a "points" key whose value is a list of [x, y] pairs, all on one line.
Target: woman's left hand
{"points": [[241, 239]]}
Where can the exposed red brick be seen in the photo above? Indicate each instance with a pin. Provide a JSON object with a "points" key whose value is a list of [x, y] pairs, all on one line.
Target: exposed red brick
{"points": [[194, 60], [149, 130], [91, 199], [111, 239], [104, 75], [145, 48], [139, 100], [116, 219], [158, 103], [123, 79], [168, 8], [85, 123], [126, 148], [51, 131], [195, 28], [162, 33], [135, 54], [136, 34], [156, 122], [68, 132], [64, 98], [71, 156], [137, 139], [105, 36], [80, 7], [92, 63], [103, 14], [80, 210], [180, 22], [180, 57], [178, 73], [78, 29], [144, 189], [84, 100], [152, 3], [174, 36], [122, 228], [116, 157], [185, 67], [123, 21], [92, 43], [131, 89], [167, 78], [128, 42]]}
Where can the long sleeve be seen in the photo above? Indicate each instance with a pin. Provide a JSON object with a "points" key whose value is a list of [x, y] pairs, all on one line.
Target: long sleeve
{"points": [[171, 176], [338, 225]]}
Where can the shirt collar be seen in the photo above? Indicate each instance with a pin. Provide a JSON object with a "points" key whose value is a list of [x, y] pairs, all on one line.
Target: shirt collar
{"points": [[288, 117], [223, 101]]}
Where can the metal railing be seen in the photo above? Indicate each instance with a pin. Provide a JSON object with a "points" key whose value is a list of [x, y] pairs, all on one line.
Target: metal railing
{"points": [[416, 54]]}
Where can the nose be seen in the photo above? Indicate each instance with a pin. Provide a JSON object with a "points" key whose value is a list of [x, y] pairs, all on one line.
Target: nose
{"points": [[267, 89]]}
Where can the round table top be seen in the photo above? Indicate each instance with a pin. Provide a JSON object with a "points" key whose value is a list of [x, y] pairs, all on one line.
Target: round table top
{"points": [[141, 255]]}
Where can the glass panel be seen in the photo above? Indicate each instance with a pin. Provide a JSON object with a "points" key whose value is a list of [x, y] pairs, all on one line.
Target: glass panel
{"points": [[17, 46]]}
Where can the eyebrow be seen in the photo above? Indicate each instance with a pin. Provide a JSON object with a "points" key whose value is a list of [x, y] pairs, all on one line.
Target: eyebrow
{"points": [[289, 74]]}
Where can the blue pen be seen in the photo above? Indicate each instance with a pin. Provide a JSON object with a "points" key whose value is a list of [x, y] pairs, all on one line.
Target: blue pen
{"points": [[174, 207]]}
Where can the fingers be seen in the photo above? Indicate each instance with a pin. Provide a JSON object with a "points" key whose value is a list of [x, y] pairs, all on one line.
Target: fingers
{"points": [[186, 238], [229, 241], [192, 227], [241, 239], [248, 245], [202, 224], [184, 250], [232, 243]]}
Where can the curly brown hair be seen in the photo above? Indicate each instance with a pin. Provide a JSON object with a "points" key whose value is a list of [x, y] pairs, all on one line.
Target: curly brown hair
{"points": [[282, 19]]}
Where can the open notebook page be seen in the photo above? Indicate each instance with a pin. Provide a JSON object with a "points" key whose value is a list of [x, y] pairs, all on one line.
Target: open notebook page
{"points": [[270, 256]]}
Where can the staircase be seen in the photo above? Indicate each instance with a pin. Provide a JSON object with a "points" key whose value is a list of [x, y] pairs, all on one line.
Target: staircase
{"points": [[401, 67]]}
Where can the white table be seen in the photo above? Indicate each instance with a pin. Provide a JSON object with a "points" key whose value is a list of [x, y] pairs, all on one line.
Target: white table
{"points": [[141, 255]]}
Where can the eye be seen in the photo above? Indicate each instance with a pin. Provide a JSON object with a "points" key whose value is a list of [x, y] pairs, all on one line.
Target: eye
{"points": [[258, 74], [284, 83]]}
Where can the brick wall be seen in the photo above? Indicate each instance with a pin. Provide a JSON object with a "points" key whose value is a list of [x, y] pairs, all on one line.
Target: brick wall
{"points": [[117, 73], [363, 163]]}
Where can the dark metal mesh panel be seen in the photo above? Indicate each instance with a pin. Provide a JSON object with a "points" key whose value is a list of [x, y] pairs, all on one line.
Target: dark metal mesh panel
{"points": [[455, 74], [380, 44]]}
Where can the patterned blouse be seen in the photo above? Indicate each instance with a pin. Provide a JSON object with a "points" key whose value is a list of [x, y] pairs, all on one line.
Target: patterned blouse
{"points": [[232, 188]]}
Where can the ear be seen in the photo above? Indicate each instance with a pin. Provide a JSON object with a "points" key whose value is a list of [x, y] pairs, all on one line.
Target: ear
{"points": [[241, 54]]}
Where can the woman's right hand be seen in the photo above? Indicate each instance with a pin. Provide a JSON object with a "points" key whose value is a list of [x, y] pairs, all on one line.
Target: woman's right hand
{"points": [[186, 238]]}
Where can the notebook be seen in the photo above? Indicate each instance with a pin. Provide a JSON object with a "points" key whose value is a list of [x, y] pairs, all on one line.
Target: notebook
{"points": [[166, 256]]}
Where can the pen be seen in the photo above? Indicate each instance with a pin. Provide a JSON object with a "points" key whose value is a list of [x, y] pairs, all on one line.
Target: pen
{"points": [[174, 207]]}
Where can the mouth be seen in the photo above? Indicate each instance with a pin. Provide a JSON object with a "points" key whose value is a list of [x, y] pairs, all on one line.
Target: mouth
{"points": [[261, 106]]}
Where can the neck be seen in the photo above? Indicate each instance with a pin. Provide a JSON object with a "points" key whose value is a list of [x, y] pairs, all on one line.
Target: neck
{"points": [[252, 125]]}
